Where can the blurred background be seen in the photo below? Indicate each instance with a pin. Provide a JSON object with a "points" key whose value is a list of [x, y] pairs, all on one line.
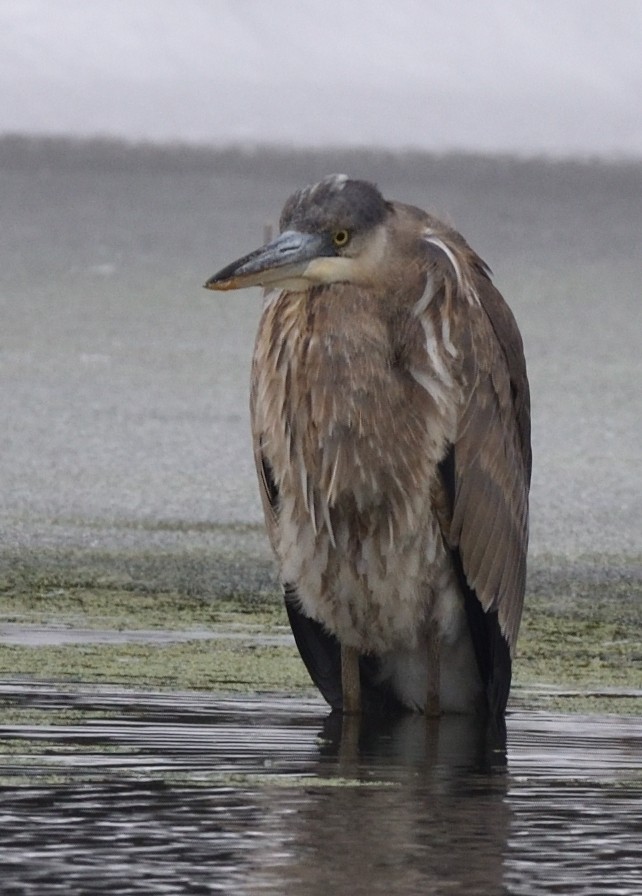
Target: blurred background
{"points": [[144, 145], [526, 76]]}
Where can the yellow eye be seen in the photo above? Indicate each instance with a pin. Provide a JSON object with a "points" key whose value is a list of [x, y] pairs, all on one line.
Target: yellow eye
{"points": [[341, 238]]}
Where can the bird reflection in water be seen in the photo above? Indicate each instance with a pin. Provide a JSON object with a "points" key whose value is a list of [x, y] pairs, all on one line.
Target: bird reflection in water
{"points": [[460, 743]]}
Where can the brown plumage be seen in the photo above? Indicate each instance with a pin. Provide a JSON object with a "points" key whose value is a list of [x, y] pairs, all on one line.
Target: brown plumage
{"points": [[390, 417]]}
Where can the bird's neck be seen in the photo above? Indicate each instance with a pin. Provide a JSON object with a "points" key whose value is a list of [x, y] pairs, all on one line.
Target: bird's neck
{"points": [[330, 397]]}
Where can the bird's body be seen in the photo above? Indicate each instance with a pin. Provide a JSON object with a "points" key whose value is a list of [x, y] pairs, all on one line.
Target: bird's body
{"points": [[378, 372]]}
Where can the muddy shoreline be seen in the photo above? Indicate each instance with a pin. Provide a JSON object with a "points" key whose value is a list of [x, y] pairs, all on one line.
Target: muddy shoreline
{"points": [[212, 619]]}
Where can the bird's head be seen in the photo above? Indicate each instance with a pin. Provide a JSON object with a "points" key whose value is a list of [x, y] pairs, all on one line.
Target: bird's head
{"points": [[331, 232]]}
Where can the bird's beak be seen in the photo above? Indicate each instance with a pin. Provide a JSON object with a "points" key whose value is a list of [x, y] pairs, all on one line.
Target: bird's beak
{"points": [[283, 261]]}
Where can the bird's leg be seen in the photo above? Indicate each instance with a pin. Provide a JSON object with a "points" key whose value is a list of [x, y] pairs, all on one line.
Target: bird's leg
{"points": [[350, 680], [432, 697]]}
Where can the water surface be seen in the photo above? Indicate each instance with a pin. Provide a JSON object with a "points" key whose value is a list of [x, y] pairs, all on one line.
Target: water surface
{"points": [[107, 790]]}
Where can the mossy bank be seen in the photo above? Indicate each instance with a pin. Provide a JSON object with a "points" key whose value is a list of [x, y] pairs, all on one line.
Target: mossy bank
{"points": [[580, 645]]}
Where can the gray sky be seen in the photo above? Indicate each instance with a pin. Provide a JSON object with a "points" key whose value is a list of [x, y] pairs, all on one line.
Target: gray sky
{"points": [[531, 76]]}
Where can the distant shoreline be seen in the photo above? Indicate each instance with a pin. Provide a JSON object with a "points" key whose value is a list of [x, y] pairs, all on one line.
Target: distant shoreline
{"points": [[25, 151]]}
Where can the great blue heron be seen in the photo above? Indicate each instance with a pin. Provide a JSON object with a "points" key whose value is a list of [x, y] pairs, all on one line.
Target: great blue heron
{"points": [[391, 425]]}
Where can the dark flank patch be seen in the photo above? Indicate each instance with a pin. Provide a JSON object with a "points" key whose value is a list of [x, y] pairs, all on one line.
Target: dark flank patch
{"points": [[490, 646]]}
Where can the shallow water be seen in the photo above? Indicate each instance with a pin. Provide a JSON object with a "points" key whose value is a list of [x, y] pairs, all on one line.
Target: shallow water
{"points": [[131, 792]]}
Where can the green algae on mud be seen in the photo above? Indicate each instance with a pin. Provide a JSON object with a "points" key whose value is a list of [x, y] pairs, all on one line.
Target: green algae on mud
{"points": [[93, 606], [580, 645], [231, 653]]}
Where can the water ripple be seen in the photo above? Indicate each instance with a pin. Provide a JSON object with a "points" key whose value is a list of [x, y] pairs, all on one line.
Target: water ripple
{"points": [[114, 790]]}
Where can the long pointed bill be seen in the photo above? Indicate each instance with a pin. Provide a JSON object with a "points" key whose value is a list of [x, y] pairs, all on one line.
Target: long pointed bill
{"points": [[284, 260]]}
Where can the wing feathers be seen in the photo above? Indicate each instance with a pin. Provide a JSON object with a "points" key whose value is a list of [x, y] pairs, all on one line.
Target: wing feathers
{"points": [[492, 466]]}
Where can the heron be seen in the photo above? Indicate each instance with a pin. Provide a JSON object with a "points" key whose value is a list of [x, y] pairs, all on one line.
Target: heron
{"points": [[390, 416]]}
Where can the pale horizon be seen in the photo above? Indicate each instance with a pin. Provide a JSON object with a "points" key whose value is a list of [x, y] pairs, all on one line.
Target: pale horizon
{"points": [[523, 77]]}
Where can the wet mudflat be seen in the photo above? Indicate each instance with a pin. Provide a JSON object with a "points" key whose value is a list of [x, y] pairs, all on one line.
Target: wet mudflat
{"points": [[168, 744], [139, 791], [157, 742]]}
